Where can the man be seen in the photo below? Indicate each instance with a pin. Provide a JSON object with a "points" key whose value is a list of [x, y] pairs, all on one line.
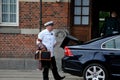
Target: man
{"points": [[47, 38], [111, 25]]}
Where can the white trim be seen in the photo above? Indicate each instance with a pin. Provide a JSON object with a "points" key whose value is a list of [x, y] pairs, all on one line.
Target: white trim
{"points": [[17, 17], [0, 12], [9, 24], [19, 31], [17, 13], [110, 49], [30, 0], [30, 31], [44, 0], [10, 30], [101, 19]]}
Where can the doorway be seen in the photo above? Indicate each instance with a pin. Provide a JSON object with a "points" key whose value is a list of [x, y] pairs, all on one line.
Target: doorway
{"points": [[100, 10]]}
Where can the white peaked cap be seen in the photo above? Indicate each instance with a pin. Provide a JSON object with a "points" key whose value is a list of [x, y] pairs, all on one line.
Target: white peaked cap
{"points": [[48, 23]]}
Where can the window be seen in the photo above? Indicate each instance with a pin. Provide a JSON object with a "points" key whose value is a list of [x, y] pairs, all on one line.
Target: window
{"points": [[81, 12], [9, 13], [112, 44]]}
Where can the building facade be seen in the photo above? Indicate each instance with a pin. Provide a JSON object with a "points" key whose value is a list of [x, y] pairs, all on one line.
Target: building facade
{"points": [[22, 20], [20, 24]]}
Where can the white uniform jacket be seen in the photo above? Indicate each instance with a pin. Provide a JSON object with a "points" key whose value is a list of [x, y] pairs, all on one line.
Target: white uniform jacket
{"points": [[48, 39]]}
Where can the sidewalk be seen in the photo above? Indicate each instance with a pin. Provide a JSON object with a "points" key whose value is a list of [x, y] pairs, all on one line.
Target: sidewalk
{"points": [[31, 75]]}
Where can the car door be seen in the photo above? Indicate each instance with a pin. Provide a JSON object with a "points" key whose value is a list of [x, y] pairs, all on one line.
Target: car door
{"points": [[112, 51]]}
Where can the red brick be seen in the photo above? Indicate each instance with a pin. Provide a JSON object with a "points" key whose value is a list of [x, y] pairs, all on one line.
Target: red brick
{"points": [[23, 46]]}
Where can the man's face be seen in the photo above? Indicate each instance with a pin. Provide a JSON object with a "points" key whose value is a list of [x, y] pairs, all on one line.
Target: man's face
{"points": [[113, 14], [50, 27]]}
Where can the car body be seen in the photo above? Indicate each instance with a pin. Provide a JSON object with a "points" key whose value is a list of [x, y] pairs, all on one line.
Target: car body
{"points": [[97, 59]]}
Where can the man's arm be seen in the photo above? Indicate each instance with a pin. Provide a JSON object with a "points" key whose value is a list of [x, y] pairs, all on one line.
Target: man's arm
{"points": [[40, 45], [38, 41]]}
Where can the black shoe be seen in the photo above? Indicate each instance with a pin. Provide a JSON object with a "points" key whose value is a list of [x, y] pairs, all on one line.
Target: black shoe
{"points": [[61, 78]]}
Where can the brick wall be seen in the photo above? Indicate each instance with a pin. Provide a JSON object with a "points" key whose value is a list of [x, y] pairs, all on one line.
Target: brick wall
{"points": [[23, 45], [17, 45], [58, 12], [29, 15]]}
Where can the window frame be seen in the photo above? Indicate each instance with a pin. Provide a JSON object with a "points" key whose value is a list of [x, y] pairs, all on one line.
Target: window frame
{"points": [[81, 6], [0, 11], [10, 23]]}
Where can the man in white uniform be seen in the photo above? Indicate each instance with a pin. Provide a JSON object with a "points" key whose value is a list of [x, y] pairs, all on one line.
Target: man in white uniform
{"points": [[47, 38]]}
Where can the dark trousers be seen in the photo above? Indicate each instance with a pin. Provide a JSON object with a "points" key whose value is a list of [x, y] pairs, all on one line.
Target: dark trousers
{"points": [[52, 65]]}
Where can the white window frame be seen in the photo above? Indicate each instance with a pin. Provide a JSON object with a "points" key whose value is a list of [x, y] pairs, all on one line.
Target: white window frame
{"points": [[0, 11], [81, 16], [9, 23]]}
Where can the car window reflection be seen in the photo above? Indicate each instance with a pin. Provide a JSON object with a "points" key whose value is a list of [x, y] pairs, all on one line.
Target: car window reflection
{"points": [[112, 44]]}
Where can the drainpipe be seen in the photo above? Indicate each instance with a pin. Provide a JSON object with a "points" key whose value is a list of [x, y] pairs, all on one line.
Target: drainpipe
{"points": [[69, 22], [40, 15]]}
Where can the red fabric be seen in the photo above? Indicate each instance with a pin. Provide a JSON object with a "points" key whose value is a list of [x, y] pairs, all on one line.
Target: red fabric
{"points": [[40, 65], [40, 40]]}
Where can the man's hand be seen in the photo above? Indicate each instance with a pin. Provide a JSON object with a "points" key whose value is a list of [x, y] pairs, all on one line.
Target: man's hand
{"points": [[38, 41], [43, 49]]}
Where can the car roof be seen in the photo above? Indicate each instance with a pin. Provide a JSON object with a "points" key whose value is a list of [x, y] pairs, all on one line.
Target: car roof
{"points": [[97, 42], [100, 38], [94, 43]]}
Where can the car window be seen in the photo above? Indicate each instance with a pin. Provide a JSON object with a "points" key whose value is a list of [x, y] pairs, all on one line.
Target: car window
{"points": [[109, 44], [112, 44], [117, 41]]}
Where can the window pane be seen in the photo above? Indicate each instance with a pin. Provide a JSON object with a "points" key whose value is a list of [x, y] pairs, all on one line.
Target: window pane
{"points": [[77, 20], [77, 11], [12, 1], [5, 17], [109, 44], [5, 1], [5, 8], [9, 8], [85, 20], [117, 42], [12, 18], [85, 2], [85, 10], [77, 2], [13, 8]]}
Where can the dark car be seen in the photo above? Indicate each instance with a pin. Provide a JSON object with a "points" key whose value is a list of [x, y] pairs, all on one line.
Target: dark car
{"points": [[98, 59]]}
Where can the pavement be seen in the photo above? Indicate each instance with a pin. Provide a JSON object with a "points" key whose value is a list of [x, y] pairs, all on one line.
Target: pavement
{"points": [[31, 75]]}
